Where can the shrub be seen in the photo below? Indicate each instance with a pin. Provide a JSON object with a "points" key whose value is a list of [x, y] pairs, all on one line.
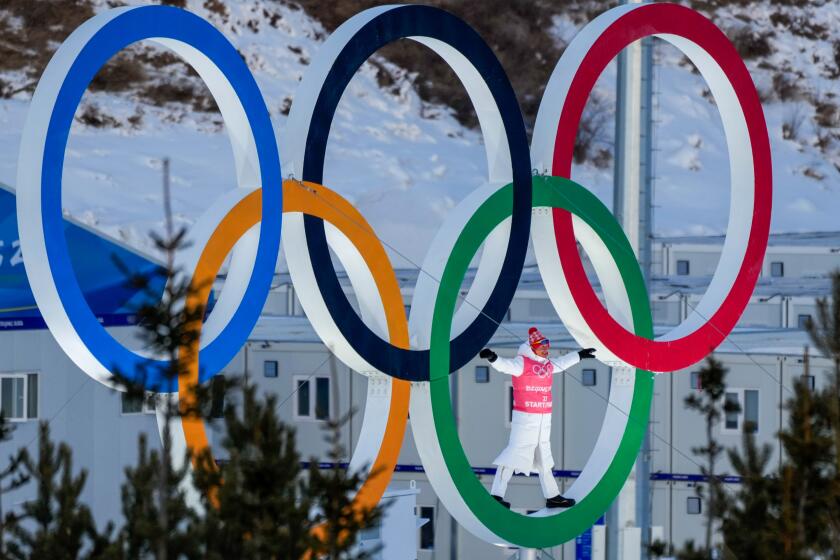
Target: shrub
{"points": [[518, 32], [751, 43], [121, 73], [592, 133], [44, 25], [91, 115], [793, 123], [826, 113], [786, 87], [833, 71]]}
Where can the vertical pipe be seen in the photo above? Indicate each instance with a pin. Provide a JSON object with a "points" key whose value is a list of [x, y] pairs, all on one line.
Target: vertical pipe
{"points": [[453, 525], [782, 400], [563, 423], [671, 460], [612, 516], [167, 200], [633, 178], [643, 488], [527, 554], [245, 364], [351, 377]]}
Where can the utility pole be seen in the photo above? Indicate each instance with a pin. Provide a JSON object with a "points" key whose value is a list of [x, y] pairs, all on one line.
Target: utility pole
{"points": [[646, 169], [632, 206]]}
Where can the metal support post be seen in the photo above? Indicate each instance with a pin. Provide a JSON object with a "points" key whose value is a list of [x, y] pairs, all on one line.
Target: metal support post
{"points": [[632, 206]]}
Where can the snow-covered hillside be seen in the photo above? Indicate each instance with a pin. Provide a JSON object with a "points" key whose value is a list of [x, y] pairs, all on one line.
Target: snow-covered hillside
{"points": [[402, 170], [405, 163]]}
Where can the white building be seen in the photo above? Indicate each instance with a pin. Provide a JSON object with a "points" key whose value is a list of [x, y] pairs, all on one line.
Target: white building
{"points": [[764, 356]]}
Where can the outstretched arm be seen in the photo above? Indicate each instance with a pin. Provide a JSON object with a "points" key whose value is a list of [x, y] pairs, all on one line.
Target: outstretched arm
{"points": [[572, 358], [510, 366]]}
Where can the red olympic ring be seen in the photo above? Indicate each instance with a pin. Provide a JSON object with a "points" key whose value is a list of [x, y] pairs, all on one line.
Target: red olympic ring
{"points": [[665, 355]]}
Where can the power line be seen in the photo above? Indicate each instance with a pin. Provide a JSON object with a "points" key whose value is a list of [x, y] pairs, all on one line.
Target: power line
{"points": [[499, 324]]}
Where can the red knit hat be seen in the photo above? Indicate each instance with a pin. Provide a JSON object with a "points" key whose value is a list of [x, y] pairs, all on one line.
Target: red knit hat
{"points": [[535, 337]]}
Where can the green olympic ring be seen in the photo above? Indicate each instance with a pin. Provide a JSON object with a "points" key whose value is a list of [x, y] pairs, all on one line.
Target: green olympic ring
{"points": [[537, 531]]}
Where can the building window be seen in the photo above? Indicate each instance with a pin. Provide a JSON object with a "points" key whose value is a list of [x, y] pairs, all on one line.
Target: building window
{"points": [[270, 368], [804, 320], [751, 411], [810, 382], [589, 377], [371, 533], [733, 402], [777, 269], [138, 404], [683, 268], [693, 506], [303, 398], [19, 396], [744, 416], [482, 374], [695, 381], [131, 404], [426, 539], [312, 402], [322, 398], [32, 396]]}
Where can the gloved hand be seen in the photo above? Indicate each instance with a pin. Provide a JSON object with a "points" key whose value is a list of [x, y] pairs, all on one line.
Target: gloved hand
{"points": [[586, 353], [487, 354]]}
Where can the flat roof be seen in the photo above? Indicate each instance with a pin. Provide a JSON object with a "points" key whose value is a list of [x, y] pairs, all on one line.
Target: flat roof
{"points": [[660, 286], [768, 341], [790, 239]]}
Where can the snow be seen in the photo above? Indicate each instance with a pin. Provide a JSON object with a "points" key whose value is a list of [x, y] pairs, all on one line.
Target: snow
{"points": [[407, 165], [403, 172]]}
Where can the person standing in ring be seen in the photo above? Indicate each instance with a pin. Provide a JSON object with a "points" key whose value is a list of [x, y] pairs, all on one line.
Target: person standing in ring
{"points": [[529, 447]]}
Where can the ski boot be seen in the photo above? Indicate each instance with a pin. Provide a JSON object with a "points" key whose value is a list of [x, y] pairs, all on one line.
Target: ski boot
{"points": [[559, 501]]}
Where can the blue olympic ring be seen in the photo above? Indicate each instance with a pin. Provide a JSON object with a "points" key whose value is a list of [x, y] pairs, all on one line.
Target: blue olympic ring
{"points": [[126, 28]]}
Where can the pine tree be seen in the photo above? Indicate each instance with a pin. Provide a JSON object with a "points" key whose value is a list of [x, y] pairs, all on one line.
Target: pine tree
{"points": [[144, 497], [794, 512], [689, 552], [260, 503], [333, 489], [708, 403], [787, 513], [158, 521], [11, 478], [56, 524], [825, 334], [6, 428], [806, 477], [750, 523], [256, 502]]}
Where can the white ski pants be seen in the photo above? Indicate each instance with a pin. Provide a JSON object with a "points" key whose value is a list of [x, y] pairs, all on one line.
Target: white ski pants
{"points": [[504, 474]]}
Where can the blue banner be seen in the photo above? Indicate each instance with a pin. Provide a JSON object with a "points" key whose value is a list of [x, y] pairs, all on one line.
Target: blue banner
{"points": [[102, 267], [583, 543], [490, 471]]}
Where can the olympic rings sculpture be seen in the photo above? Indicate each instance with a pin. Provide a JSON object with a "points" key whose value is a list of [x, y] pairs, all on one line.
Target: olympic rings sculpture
{"points": [[501, 215]]}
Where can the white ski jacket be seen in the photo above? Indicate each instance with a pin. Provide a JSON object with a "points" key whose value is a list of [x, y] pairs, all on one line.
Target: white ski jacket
{"points": [[529, 446]]}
